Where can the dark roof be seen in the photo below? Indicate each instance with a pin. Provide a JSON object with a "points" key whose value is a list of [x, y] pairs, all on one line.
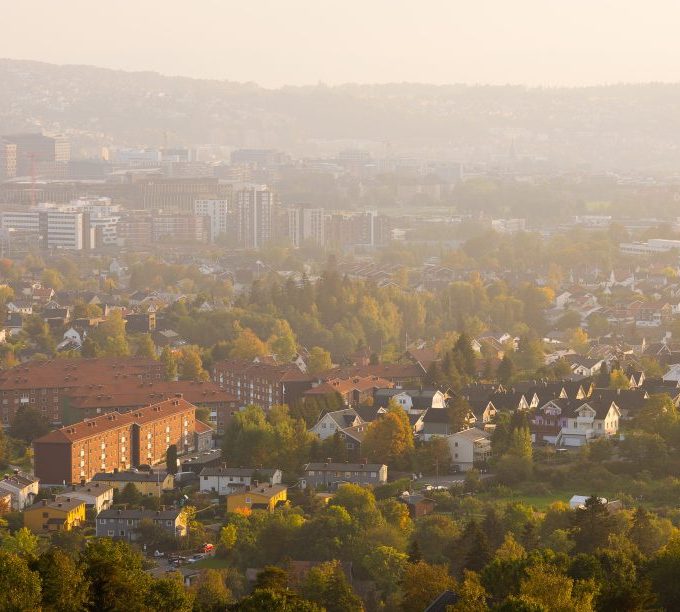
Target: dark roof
{"points": [[442, 602], [508, 400], [368, 413], [238, 472], [436, 415], [625, 399], [129, 477], [164, 515], [344, 467]]}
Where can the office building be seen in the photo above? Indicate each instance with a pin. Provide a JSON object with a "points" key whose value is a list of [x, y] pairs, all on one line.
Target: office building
{"points": [[306, 225], [218, 213], [179, 194], [44, 155], [254, 207], [8, 160]]}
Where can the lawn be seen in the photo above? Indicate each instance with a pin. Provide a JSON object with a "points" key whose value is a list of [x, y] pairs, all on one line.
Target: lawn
{"points": [[211, 563]]}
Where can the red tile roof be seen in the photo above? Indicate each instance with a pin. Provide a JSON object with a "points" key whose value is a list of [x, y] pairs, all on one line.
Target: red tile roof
{"points": [[65, 373], [113, 420]]}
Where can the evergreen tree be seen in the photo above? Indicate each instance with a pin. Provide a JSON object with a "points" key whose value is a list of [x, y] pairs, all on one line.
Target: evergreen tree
{"points": [[169, 362], [171, 459], [506, 370]]}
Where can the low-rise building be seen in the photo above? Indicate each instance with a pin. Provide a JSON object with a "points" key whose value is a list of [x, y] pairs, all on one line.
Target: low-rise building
{"points": [[334, 421], [225, 480], [147, 483], [124, 524], [21, 487], [95, 495], [331, 475], [263, 497], [469, 447], [58, 515]]}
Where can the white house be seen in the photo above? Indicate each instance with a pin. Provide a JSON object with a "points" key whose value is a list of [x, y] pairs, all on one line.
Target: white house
{"points": [[334, 421], [579, 501], [592, 419], [673, 374], [21, 487], [469, 447], [226, 480], [96, 495]]}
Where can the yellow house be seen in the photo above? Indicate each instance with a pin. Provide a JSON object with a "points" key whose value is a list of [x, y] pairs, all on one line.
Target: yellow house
{"points": [[262, 497], [60, 515], [147, 483]]}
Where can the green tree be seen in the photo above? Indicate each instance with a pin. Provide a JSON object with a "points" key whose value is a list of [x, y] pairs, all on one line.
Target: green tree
{"points": [[169, 362], [191, 365], [28, 424], [146, 347], [22, 543], [360, 504], [116, 574], [385, 565], [421, 583], [64, 586], [319, 360], [459, 413], [593, 524], [546, 586], [19, 586], [506, 370], [247, 346], [262, 600], [171, 462], [472, 595], [389, 439], [327, 586], [168, 593], [210, 592]]}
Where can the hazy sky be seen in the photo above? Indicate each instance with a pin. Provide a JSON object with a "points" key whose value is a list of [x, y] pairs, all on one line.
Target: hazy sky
{"points": [[275, 42]]}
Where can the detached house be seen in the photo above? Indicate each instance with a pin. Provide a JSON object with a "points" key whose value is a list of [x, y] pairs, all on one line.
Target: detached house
{"points": [[334, 421], [565, 422], [469, 447], [21, 487], [224, 480]]}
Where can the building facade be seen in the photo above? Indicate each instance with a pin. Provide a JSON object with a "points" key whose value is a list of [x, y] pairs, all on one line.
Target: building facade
{"points": [[77, 452]]}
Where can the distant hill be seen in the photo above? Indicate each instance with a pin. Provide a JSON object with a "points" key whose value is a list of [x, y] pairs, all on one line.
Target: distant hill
{"points": [[602, 128]]}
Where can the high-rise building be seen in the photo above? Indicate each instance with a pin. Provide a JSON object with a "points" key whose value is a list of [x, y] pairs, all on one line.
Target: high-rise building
{"points": [[8, 160], [218, 213], [43, 154], [254, 207], [306, 225], [179, 194]]}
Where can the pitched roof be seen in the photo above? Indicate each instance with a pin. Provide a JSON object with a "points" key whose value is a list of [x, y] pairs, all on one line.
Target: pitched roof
{"points": [[129, 476], [237, 472], [473, 434], [63, 503], [272, 373], [66, 373], [343, 467], [113, 420], [140, 514], [132, 393]]}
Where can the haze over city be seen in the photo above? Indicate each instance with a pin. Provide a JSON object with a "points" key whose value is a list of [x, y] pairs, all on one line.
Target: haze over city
{"points": [[339, 306], [301, 42]]}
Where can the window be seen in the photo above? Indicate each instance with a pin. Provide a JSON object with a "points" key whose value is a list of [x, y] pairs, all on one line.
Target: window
{"points": [[102, 521], [205, 478], [248, 500], [168, 523], [122, 533], [111, 532], [46, 514]]}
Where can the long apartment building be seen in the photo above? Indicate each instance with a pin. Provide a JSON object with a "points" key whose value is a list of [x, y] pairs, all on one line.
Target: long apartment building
{"points": [[115, 441], [93, 400], [42, 385], [261, 384]]}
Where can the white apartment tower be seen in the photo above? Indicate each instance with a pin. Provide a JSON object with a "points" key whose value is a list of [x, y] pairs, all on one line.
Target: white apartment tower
{"points": [[254, 213], [218, 212]]}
